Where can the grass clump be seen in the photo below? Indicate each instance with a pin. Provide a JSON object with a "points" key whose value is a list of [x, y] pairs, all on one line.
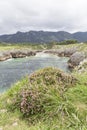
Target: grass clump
{"points": [[44, 90], [48, 99]]}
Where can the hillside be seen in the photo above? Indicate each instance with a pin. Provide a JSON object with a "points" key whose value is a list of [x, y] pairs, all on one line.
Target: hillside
{"points": [[43, 37]]}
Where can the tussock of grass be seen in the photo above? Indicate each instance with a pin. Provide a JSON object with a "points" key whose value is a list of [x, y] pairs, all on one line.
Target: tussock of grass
{"points": [[44, 90], [48, 99]]}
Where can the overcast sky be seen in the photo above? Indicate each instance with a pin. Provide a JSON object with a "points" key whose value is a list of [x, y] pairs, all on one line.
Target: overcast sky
{"points": [[49, 15]]}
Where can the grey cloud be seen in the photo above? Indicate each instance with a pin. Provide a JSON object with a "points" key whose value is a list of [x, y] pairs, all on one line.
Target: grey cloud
{"points": [[25, 15]]}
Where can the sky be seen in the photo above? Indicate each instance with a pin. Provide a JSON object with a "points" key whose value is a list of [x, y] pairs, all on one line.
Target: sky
{"points": [[47, 15]]}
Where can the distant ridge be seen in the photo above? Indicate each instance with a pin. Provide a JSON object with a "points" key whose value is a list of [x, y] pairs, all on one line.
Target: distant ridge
{"points": [[43, 37]]}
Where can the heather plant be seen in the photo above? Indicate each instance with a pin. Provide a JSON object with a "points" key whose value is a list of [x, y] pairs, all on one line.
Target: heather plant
{"points": [[48, 99], [44, 91]]}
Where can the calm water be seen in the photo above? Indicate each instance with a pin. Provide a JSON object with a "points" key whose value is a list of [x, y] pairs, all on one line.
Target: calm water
{"points": [[14, 69]]}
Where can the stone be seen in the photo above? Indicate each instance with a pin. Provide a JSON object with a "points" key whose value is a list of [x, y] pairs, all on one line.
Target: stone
{"points": [[68, 52], [22, 53], [63, 52], [82, 67], [75, 59], [15, 54], [15, 124], [4, 56]]}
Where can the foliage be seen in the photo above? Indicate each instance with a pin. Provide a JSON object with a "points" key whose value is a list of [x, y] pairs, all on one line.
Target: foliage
{"points": [[43, 85], [48, 99], [66, 42]]}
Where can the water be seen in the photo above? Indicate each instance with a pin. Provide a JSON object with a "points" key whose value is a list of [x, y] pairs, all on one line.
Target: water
{"points": [[14, 69]]}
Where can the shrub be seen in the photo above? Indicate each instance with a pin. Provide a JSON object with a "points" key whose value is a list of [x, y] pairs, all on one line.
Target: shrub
{"points": [[43, 93]]}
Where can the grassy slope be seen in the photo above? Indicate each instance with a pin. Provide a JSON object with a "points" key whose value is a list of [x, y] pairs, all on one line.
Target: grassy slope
{"points": [[63, 98]]}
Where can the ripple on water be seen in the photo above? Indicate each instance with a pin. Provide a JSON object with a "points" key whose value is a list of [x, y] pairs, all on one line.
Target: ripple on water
{"points": [[14, 69]]}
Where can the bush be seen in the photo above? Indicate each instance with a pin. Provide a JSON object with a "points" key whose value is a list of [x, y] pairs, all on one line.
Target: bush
{"points": [[44, 92]]}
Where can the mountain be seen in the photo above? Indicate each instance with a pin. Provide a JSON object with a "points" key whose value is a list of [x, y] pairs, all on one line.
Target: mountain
{"points": [[43, 37], [80, 36]]}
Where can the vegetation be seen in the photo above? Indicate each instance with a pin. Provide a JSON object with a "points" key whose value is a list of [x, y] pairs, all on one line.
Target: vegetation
{"points": [[5, 46], [52, 45], [66, 42], [48, 99]]}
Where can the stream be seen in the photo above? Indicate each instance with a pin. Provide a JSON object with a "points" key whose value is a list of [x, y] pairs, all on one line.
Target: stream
{"points": [[13, 70]]}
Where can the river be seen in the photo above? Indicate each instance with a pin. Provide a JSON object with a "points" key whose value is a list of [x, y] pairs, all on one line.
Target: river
{"points": [[13, 70]]}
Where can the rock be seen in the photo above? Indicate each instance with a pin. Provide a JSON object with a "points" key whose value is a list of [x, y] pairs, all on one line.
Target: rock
{"points": [[22, 53], [82, 67], [4, 56], [63, 52], [68, 52], [31, 53], [51, 51], [16, 54], [75, 59], [38, 51], [15, 124]]}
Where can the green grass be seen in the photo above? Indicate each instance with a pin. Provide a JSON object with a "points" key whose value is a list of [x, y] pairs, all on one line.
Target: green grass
{"points": [[80, 47], [57, 101], [33, 46], [30, 46]]}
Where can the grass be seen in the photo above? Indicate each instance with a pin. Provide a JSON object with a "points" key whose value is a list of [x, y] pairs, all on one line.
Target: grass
{"points": [[54, 101], [4, 46], [30, 46]]}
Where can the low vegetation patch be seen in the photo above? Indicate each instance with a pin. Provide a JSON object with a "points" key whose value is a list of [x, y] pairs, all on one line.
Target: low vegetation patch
{"points": [[44, 86], [48, 99]]}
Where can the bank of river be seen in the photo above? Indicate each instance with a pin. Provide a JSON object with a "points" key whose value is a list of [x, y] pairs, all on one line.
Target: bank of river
{"points": [[13, 70]]}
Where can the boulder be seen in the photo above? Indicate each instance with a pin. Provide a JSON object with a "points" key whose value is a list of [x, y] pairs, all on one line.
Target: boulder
{"points": [[22, 53], [4, 56], [75, 59], [18, 54], [31, 53], [82, 67], [69, 51], [63, 52]]}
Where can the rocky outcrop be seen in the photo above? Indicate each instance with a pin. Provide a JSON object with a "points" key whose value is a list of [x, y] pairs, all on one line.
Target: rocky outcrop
{"points": [[68, 52], [21, 54], [75, 59], [82, 67], [4, 56], [63, 52], [15, 54], [51, 51]]}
